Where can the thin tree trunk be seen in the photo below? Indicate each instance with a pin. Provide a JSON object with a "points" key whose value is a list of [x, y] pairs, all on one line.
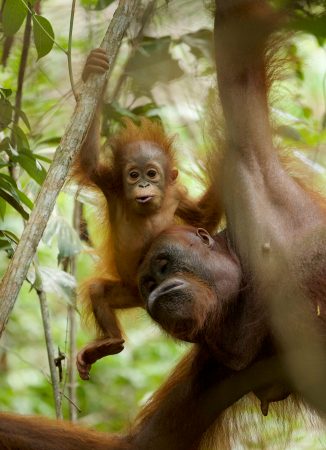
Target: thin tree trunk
{"points": [[72, 384], [69, 146], [50, 351]]}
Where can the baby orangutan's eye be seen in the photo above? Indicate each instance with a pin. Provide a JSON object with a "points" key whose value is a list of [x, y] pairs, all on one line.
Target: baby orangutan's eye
{"points": [[133, 174], [152, 173]]}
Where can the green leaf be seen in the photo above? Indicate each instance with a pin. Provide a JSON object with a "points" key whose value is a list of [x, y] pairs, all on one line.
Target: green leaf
{"points": [[2, 208], [149, 110], [9, 235], [55, 140], [29, 163], [8, 184], [43, 35], [13, 16], [5, 146], [96, 5], [13, 202], [312, 25], [8, 242], [20, 138], [5, 113], [24, 199], [24, 118], [5, 92], [42, 158]]}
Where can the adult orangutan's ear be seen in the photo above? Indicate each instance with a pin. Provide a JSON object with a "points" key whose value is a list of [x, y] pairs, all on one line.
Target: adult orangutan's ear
{"points": [[205, 237], [174, 174]]}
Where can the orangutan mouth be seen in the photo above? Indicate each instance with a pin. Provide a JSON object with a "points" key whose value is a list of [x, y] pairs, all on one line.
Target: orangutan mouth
{"points": [[144, 199]]}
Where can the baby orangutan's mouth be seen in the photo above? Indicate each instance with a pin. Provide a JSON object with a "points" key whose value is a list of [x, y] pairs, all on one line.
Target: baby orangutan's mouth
{"points": [[144, 199]]}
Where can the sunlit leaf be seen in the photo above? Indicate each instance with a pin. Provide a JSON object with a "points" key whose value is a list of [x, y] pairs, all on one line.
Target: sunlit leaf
{"points": [[58, 282], [200, 43], [68, 241], [43, 35], [153, 63], [13, 16]]}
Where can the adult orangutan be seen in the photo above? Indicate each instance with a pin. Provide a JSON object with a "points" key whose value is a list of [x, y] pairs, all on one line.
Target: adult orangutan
{"points": [[275, 226], [196, 279], [206, 275], [142, 198], [280, 234]]}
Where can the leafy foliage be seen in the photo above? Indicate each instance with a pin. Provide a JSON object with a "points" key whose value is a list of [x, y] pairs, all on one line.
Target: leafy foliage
{"points": [[43, 35], [13, 16]]}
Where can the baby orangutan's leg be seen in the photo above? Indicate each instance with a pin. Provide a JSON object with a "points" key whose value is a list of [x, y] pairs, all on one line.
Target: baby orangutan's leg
{"points": [[105, 296]]}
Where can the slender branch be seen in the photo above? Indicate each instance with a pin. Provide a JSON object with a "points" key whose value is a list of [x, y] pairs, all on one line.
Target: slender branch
{"points": [[72, 325], [70, 144], [22, 70], [72, 385], [71, 26], [49, 347]]}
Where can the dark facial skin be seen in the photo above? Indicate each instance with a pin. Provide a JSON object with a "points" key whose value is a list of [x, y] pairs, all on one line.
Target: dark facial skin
{"points": [[186, 278], [145, 176]]}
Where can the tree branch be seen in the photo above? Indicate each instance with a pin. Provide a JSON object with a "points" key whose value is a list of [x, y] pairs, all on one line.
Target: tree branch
{"points": [[50, 348], [69, 146]]}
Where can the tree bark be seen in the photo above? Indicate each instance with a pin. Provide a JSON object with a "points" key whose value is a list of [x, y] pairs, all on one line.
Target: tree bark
{"points": [[69, 146]]}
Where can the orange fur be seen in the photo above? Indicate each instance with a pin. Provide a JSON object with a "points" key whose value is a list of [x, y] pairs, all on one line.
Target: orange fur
{"points": [[126, 231]]}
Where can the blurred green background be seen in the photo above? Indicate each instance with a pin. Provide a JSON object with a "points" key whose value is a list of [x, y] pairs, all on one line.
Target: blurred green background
{"points": [[164, 69]]}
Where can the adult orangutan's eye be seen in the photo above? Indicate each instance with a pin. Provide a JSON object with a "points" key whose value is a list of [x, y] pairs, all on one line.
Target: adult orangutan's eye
{"points": [[148, 285]]}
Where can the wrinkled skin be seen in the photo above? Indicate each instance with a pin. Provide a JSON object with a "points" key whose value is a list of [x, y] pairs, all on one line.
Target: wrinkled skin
{"points": [[191, 284], [186, 278]]}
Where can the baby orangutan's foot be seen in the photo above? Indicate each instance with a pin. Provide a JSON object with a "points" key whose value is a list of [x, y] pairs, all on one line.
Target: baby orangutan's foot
{"points": [[94, 351]]}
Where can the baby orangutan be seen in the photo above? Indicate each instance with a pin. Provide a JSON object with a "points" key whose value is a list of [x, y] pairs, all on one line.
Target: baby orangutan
{"points": [[142, 198]]}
